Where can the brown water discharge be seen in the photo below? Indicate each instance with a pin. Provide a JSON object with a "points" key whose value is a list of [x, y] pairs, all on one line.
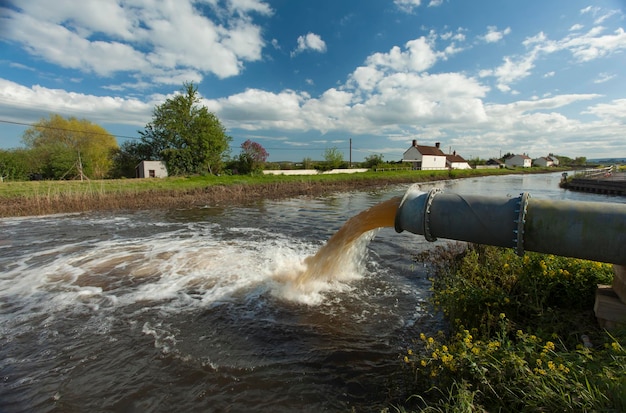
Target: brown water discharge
{"points": [[331, 257]]}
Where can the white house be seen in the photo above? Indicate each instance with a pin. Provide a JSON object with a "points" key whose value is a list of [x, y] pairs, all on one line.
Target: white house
{"points": [[151, 169], [425, 157], [454, 161], [543, 161], [518, 160]]}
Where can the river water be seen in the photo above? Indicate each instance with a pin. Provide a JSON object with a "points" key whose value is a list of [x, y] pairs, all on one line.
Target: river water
{"points": [[182, 310]]}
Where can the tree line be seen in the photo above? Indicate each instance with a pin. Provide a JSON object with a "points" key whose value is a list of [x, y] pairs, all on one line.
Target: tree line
{"points": [[183, 133]]}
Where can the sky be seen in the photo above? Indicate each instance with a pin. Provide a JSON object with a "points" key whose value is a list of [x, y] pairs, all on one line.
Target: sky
{"points": [[367, 77]]}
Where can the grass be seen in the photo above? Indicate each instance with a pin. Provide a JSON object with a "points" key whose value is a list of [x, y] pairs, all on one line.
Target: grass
{"points": [[48, 197], [515, 337]]}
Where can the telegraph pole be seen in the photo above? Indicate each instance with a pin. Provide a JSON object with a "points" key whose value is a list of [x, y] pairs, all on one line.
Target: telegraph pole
{"points": [[350, 152]]}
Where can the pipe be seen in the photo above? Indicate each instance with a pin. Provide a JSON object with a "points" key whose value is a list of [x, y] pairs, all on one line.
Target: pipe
{"points": [[589, 230]]}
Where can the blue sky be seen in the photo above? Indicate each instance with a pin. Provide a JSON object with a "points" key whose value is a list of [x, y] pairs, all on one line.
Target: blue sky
{"points": [[482, 78]]}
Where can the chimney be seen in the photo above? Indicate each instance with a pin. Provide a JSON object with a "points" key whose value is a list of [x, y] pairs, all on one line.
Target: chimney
{"points": [[437, 145], [414, 142], [454, 153]]}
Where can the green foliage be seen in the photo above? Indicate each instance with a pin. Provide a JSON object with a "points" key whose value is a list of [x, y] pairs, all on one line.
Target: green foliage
{"points": [[372, 161], [14, 165], [189, 138], [515, 335], [333, 158], [516, 371], [484, 281], [59, 147]]}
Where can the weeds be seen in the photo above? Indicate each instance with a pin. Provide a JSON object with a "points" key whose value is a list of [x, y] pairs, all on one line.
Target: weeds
{"points": [[515, 337]]}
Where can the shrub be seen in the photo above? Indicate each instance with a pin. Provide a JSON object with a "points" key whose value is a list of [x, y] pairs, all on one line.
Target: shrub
{"points": [[514, 340]]}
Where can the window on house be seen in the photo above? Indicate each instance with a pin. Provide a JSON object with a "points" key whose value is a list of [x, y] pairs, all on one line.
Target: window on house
{"points": [[151, 173]]}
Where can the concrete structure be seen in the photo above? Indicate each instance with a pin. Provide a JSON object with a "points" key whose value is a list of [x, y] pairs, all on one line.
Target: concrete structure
{"points": [[312, 171], [425, 157], [518, 160], [151, 169]]}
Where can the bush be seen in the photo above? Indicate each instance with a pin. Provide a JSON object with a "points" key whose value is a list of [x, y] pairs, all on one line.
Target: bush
{"points": [[514, 340]]}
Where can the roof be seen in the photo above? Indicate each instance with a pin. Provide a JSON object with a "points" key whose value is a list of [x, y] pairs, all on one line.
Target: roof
{"points": [[427, 150], [454, 158]]}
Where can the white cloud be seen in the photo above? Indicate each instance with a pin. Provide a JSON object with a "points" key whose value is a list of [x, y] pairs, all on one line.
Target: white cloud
{"points": [[584, 47], [310, 41], [493, 35], [614, 111], [407, 5], [21, 103], [604, 77], [592, 45], [417, 56], [576, 27], [435, 3], [152, 38]]}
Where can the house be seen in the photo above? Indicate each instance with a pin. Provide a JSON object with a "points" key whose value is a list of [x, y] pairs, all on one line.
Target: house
{"points": [[495, 162], [425, 157], [555, 160], [543, 161], [518, 160], [454, 161], [151, 169]]}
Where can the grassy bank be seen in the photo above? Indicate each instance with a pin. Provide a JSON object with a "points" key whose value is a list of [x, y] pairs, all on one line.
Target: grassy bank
{"points": [[50, 197], [522, 337]]}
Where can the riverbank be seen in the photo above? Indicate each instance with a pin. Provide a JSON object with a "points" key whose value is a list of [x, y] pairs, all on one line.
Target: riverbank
{"points": [[54, 197]]}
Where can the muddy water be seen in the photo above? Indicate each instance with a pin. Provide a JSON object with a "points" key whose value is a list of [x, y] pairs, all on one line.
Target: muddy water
{"points": [[216, 309]]}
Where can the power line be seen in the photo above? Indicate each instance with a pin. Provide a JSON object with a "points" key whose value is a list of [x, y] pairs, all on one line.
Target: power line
{"points": [[65, 129], [300, 148]]}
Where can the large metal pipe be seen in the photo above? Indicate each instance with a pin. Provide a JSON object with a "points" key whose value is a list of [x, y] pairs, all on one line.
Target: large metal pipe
{"points": [[588, 230]]}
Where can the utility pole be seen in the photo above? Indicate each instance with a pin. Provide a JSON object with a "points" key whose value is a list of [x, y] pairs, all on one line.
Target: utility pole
{"points": [[350, 152]]}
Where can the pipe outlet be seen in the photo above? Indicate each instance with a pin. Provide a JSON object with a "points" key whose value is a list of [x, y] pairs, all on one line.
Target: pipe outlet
{"points": [[587, 230]]}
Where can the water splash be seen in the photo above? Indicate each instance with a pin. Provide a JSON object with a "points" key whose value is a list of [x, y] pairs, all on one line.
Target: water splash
{"points": [[341, 257]]}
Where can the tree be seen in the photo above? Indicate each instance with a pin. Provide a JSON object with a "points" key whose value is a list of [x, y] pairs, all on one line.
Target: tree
{"points": [[307, 163], [333, 158], [64, 148], [14, 165], [128, 156], [373, 160], [252, 157], [185, 135]]}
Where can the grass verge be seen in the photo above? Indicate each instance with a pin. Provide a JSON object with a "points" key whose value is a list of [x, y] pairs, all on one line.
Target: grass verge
{"points": [[49, 197]]}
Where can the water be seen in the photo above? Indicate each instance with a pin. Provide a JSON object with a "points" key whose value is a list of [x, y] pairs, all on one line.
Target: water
{"points": [[212, 309]]}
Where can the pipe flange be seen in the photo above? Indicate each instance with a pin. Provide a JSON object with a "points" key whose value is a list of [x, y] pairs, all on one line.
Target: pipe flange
{"points": [[429, 200], [520, 221]]}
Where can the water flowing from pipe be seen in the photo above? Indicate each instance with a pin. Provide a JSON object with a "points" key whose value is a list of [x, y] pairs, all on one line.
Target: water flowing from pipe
{"points": [[342, 249]]}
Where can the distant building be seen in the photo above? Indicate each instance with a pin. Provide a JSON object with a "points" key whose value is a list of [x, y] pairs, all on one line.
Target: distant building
{"points": [[454, 161], [543, 161], [495, 162], [518, 160], [151, 169], [425, 157]]}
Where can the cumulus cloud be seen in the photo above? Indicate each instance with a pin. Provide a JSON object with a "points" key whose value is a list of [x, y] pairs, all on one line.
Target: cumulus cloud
{"points": [[152, 38], [493, 35], [21, 103], [310, 41], [408, 5]]}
